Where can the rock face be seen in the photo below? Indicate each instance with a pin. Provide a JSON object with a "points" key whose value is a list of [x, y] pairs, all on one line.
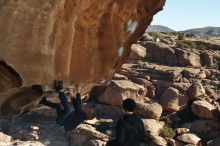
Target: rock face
{"points": [[189, 138], [153, 110], [203, 109], [186, 58], [5, 138], [85, 134], [152, 127], [137, 52], [119, 90], [160, 52], [80, 42], [172, 100]]}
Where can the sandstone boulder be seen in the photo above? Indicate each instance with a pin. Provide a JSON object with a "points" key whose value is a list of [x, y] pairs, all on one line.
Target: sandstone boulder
{"points": [[192, 73], [147, 85], [119, 90], [119, 77], [202, 74], [162, 72], [160, 52], [126, 72], [79, 42], [149, 110], [196, 90], [159, 141], [26, 143], [180, 131], [86, 134], [146, 37], [24, 134], [187, 58], [207, 58], [138, 52], [167, 41], [206, 129], [203, 109], [173, 142], [152, 127], [189, 138], [5, 138], [172, 100]]}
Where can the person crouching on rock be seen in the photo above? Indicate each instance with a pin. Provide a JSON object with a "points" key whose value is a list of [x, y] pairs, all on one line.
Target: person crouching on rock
{"points": [[66, 116], [130, 129]]}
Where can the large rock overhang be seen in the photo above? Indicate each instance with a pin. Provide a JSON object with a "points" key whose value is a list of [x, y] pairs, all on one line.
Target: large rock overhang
{"points": [[79, 42]]}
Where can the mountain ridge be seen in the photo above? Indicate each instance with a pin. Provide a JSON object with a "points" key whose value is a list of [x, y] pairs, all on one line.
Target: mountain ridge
{"points": [[208, 30], [159, 28]]}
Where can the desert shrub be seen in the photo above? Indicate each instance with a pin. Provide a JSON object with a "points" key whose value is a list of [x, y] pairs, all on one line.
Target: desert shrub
{"points": [[201, 47], [167, 130], [185, 44], [155, 35], [169, 122], [140, 63], [181, 36], [190, 44]]}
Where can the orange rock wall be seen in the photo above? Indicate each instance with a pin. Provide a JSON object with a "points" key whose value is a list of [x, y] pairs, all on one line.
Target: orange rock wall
{"points": [[78, 41], [72, 40]]}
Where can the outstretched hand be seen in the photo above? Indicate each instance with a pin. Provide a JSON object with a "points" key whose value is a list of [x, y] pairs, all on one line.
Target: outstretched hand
{"points": [[70, 90]]}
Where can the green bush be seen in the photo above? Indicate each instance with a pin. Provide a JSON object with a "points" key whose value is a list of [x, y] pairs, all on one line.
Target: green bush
{"points": [[167, 132]]}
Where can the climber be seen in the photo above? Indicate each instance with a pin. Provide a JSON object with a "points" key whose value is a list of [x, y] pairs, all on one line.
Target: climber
{"points": [[66, 116], [130, 129]]}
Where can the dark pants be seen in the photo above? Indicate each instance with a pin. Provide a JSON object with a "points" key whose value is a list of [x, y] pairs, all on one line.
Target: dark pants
{"points": [[77, 117], [63, 109]]}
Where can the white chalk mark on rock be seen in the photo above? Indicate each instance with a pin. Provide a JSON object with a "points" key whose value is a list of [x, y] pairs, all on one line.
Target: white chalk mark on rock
{"points": [[131, 26], [120, 51]]}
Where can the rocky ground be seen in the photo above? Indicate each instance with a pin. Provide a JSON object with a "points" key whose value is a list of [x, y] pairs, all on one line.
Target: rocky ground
{"points": [[173, 77]]}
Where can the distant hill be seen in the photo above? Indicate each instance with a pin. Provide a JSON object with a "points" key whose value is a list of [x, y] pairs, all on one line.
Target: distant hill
{"points": [[209, 31], [158, 28]]}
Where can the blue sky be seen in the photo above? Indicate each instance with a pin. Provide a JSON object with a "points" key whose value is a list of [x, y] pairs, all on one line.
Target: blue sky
{"points": [[186, 14]]}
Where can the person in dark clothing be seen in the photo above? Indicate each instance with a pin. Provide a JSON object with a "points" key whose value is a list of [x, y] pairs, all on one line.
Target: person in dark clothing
{"points": [[130, 129], [66, 116]]}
